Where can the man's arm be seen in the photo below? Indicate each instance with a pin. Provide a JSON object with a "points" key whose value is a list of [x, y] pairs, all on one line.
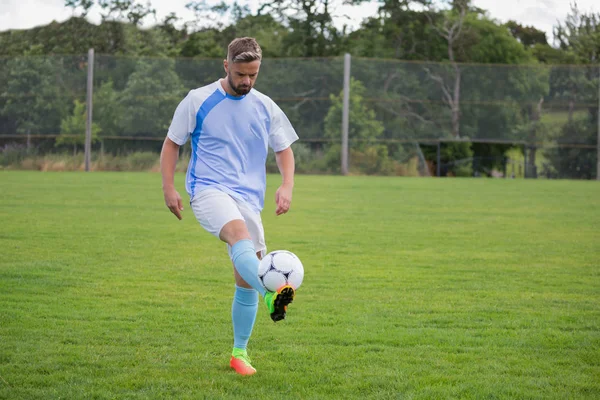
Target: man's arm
{"points": [[168, 162], [286, 165]]}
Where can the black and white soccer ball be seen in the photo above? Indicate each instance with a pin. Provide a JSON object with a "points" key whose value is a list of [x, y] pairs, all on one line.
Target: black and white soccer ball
{"points": [[280, 268]]}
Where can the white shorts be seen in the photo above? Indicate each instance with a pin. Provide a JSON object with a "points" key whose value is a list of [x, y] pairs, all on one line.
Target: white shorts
{"points": [[214, 208]]}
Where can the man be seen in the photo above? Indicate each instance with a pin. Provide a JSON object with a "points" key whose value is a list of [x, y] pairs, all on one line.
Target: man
{"points": [[231, 126]]}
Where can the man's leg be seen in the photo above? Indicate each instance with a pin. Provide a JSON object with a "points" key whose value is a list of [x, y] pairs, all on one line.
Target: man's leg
{"points": [[243, 311], [245, 301], [245, 304], [243, 315], [218, 213], [246, 262], [244, 257]]}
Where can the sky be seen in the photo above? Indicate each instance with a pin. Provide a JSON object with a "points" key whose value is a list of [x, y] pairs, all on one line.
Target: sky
{"points": [[543, 14]]}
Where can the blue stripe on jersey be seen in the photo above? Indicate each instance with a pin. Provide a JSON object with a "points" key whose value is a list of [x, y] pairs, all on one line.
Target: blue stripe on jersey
{"points": [[206, 107]]}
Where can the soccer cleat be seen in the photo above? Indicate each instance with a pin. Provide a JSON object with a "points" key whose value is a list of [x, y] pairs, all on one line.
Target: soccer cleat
{"points": [[240, 362], [278, 301]]}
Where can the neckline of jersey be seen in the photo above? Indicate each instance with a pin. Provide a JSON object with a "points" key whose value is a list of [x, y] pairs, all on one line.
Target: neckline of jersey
{"points": [[227, 95]]}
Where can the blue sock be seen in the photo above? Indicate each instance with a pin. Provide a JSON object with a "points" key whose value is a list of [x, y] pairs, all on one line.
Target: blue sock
{"points": [[245, 261], [243, 314]]}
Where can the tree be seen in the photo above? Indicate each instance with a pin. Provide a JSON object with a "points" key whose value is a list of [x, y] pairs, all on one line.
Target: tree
{"points": [[579, 37], [114, 10], [210, 16], [547, 54], [33, 100], [529, 36], [171, 33], [310, 23], [364, 127], [150, 98], [405, 30], [271, 34], [205, 43], [83, 6], [492, 99], [450, 28], [76, 35], [533, 84], [364, 130], [572, 162], [73, 128], [146, 42], [107, 110]]}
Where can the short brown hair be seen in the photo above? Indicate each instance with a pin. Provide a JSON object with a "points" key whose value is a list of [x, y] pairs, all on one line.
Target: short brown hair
{"points": [[245, 49]]}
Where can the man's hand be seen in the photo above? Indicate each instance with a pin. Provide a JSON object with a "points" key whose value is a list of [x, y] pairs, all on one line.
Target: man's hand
{"points": [[173, 201], [283, 198]]}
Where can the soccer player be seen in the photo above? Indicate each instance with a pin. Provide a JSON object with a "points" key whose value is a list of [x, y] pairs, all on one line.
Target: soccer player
{"points": [[231, 125]]}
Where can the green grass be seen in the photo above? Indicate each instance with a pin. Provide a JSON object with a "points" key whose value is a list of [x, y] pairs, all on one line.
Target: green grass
{"points": [[414, 289]]}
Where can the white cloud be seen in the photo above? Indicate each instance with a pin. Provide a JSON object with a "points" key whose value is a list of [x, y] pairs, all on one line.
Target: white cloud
{"points": [[543, 14], [24, 14]]}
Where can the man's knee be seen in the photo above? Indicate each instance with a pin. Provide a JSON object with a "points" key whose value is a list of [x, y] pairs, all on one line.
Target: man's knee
{"points": [[234, 231]]}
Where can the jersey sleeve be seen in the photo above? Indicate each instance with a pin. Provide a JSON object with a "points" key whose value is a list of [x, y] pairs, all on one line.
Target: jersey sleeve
{"points": [[183, 122], [281, 132]]}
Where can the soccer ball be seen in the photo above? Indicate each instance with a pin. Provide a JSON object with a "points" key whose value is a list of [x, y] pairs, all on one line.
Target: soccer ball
{"points": [[279, 268]]}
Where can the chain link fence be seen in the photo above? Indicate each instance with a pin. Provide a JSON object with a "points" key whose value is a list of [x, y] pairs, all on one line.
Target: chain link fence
{"points": [[406, 118]]}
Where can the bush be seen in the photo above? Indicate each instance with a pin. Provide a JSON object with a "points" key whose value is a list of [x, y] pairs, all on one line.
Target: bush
{"points": [[110, 163], [307, 160], [575, 162], [333, 158], [142, 161], [374, 160], [52, 162], [13, 154]]}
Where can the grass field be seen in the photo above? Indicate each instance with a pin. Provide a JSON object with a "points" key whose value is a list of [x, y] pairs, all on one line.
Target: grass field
{"points": [[414, 289]]}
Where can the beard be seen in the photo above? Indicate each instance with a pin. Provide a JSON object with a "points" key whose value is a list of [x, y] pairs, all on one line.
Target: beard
{"points": [[240, 89]]}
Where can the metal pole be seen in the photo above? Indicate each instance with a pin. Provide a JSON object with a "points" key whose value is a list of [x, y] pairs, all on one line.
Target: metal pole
{"points": [[88, 127], [525, 165], [598, 139], [439, 158], [346, 114]]}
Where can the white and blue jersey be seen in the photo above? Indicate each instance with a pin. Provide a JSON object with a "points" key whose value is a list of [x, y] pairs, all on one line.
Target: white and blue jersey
{"points": [[230, 138]]}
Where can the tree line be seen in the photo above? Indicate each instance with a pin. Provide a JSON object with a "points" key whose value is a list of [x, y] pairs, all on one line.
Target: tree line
{"points": [[420, 70]]}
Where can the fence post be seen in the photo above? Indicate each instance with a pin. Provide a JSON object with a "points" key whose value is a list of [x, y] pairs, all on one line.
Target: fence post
{"points": [[439, 158], [346, 114], [598, 139], [532, 160], [525, 162], [88, 127]]}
